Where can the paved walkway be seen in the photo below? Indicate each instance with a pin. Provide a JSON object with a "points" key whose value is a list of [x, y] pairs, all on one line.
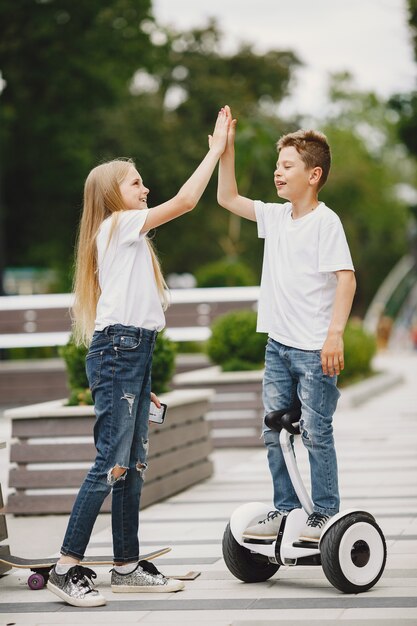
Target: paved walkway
{"points": [[377, 451]]}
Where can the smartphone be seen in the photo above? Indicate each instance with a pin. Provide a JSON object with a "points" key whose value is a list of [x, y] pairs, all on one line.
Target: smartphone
{"points": [[157, 415]]}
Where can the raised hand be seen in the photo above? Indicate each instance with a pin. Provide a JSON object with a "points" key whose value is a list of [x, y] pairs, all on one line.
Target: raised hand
{"points": [[218, 140], [232, 127]]}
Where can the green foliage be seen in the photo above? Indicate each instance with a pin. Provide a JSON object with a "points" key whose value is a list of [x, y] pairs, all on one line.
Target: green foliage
{"points": [[234, 342], [38, 352], [360, 348], [368, 165], [63, 63], [74, 357], [163, 363], [225, 273], [80, 396], [191, 347]]}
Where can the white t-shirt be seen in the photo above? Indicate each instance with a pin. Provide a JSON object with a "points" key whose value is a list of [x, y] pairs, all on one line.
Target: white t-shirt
{"points": [[129, 294], [298, 281]]}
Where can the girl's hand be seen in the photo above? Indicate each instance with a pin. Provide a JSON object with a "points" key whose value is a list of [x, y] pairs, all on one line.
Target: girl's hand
{"points": [[155, 400], [217, 141]]}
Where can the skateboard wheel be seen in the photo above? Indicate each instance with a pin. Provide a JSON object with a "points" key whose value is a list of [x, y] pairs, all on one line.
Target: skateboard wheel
{"points": [[36, 581]]}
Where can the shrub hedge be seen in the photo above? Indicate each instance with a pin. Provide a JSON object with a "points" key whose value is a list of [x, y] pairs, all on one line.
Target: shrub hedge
{"points": [[234, 343]]}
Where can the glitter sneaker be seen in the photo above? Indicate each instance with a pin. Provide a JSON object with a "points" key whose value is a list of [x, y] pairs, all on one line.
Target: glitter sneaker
{"points": [[145, 578], [76, 587], [266, 528], [314, 527]]}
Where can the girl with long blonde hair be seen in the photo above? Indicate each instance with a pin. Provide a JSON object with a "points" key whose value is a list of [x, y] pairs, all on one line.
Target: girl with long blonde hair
{"points": [[120, 297]]}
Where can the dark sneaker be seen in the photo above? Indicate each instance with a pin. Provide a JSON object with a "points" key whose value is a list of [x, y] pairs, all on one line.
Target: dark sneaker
{"points": [[76, 587], [266, 528], [145, 578], [314, 527]]}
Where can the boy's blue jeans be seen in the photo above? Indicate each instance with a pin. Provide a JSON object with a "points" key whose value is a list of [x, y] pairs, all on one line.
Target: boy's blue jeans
{"points": [[290, 371], [118, 367]]}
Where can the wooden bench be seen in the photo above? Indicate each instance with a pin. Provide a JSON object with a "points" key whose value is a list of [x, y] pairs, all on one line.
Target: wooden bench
{"points": [[53, 440]]}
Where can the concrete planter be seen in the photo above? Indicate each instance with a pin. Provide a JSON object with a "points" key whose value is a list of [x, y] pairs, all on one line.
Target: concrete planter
{"points": [[236, 410], [53, 448]]}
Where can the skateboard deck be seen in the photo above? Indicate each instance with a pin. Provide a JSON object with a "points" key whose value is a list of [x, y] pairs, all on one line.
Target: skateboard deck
{"points": [[41, 567], [19, 562]]}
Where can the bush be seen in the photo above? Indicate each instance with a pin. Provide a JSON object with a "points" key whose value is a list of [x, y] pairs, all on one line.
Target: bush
{"points": [[74, 357], [235, 344], [163, 366], [225, 273], [163, 363], [360, 348]]}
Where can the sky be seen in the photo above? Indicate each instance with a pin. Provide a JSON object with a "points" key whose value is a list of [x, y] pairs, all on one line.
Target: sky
{"points": [[369, 38]]}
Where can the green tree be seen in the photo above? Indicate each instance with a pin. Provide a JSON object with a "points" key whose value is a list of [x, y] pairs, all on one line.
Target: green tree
{"points": [[369, 164], [164, 126], [63, 62], [406, 104]]}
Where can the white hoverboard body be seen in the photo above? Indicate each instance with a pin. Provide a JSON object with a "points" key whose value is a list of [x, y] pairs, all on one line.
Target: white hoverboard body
{"points": [[351, 549]]}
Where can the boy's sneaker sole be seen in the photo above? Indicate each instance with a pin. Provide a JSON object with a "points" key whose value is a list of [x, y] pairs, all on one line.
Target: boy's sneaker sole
{"points": [[176, 585], [95, 600]]}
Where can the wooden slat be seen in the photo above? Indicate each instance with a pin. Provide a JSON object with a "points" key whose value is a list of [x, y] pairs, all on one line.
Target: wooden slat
{"points": [[20, 504], [66, 478], [160, 489], [166, 464], [53, 453], [237, 442], [163, 440], [52, 427], [83, 426], [255, 423]]}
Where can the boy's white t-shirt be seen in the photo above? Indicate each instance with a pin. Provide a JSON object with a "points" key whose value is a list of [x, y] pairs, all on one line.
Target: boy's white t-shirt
{"points": [[298, 275], [129, 294]]}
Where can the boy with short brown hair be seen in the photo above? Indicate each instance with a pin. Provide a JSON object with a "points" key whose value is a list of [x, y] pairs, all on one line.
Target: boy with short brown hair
{"points": [[306, 295]]}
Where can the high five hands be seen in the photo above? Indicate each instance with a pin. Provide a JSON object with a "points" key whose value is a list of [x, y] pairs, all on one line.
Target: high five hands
{"points": [[224, 122]]}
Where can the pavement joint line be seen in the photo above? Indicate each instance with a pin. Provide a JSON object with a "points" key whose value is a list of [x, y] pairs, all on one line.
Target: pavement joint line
{"points": [[212, 520], [339, 602], [218, 542]]}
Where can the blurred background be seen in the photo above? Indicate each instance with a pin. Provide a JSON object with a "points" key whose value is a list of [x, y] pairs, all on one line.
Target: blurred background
{"points": [[81, 82]]}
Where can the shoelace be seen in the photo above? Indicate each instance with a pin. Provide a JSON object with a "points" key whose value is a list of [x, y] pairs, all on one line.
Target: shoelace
{"points": [[317, 519], [149, 567], [271, 515], [82, 575]]}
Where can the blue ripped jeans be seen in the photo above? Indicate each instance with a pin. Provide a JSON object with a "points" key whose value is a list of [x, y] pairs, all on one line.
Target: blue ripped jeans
{"points": [[118, 366], [290, 371]]}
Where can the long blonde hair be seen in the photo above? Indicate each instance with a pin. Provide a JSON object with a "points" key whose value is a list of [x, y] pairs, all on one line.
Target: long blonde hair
{"points": [[102, 198]]}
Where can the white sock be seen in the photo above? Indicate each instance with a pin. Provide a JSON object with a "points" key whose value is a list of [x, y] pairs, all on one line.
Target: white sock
{"points": [[126, 569], [62, 568]]}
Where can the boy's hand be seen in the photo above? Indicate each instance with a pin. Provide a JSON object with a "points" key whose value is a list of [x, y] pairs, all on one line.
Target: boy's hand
{"points": [[332, 360], [232, 127], [218, 140]]}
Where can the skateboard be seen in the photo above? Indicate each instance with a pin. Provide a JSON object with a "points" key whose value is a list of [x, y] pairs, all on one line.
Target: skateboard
{"points": [[42, 567]]}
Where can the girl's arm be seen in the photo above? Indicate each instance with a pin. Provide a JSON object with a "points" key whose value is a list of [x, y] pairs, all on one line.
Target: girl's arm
{"points": [[191, 192], [332, 358], [227, 191]]}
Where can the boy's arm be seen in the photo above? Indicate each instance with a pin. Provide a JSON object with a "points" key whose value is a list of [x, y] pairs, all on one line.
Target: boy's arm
{"points": [[332, 359], [227, 191]]}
